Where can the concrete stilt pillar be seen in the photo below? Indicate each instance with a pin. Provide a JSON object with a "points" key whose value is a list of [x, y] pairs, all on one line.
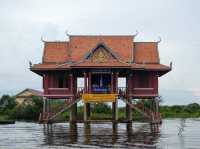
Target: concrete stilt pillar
{"points": [[42, 116], [87, 132], [128, 112], [73, 132], [73, 113], [156, 105], [86, 111], [114, 133], [44, 105], [47, 105], [115, 111]]}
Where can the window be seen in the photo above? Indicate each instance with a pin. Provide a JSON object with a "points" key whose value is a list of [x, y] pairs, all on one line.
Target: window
{"points": [[61, 82], [143, 80]]}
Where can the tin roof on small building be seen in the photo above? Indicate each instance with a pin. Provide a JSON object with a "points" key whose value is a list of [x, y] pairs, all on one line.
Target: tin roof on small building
{"points": [[32, 92]]}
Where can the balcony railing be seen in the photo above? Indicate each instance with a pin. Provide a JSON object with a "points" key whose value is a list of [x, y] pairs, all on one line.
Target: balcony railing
{"points": [[143, 90], [137, 92], [57, 92], [122, 91]]}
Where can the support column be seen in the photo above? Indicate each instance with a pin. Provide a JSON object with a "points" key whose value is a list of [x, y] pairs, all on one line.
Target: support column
{"points": [[156, 105], [47, 105], [158, 117], [85, 115], [86, 111], [71, 83], [44, 105], [73, 113], [128, 111], [89, 82], [128, 91], [87, 132], [85, 82], [115, 104], [115, 111], [89, 91], [112, 83], [114, 132], [116, 82]]}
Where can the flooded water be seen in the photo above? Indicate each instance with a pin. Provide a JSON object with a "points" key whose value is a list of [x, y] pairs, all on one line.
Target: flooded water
{"points": [[173, 134]]}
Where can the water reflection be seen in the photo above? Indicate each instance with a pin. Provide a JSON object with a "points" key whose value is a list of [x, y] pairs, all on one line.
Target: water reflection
{"points": [[102, 135], [135, 135]]}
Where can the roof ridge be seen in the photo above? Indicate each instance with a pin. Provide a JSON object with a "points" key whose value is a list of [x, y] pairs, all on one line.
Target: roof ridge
{"points": [[56, 41], [105, 35]]}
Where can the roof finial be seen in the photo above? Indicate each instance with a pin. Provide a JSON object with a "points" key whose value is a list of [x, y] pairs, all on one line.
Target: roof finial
{"points": [[159, 39], [171, 65], [67, 33], [30, 64], [42, 39], [136, 33]]}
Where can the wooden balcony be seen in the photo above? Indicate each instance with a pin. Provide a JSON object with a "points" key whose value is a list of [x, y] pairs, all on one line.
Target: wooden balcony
{"points": [[58, 93], [137, 92]]}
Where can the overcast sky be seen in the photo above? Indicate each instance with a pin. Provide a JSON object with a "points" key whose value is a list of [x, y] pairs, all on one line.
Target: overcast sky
{"points": [[175, 21]]}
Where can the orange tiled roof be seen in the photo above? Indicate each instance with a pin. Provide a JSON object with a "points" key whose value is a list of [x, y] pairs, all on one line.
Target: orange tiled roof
{"points": [[49, 66], [57, 54], [121, 45], [146, 52], [111, 64], [150, 66]]}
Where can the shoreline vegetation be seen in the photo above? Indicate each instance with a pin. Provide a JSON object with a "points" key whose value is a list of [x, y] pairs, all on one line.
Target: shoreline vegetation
{"points": [[11, 111]]}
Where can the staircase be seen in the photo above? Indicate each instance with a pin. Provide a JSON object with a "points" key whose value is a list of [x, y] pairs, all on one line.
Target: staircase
{"points": [[48, 117], [152, 116]]}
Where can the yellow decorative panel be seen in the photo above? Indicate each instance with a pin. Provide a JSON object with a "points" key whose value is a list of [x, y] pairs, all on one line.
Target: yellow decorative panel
{"points": [[100, 56], [99, 97]]}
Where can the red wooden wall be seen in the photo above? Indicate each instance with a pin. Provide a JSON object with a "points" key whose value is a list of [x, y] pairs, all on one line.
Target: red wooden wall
{"points": [[143, 84], [51, 85]]}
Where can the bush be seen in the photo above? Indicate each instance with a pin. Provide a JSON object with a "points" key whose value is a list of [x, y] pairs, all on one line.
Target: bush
{"points": [[101, 108], [7, 102], [28, 111]]}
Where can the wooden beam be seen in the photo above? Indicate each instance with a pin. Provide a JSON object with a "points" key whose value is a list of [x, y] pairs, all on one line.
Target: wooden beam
{"points": [[116, 84], [112, 83], [89, 82], [71, 83], [85, 82]]}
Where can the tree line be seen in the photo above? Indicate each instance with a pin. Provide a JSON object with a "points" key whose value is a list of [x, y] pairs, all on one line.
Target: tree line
{"points": [[30, 111]]}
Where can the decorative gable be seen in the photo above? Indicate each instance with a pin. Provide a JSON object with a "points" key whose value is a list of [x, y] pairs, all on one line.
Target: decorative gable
{"points": [[101, 54]]}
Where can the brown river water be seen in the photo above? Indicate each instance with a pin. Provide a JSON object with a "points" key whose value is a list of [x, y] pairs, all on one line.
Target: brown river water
{"points": [[173, 134]]}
